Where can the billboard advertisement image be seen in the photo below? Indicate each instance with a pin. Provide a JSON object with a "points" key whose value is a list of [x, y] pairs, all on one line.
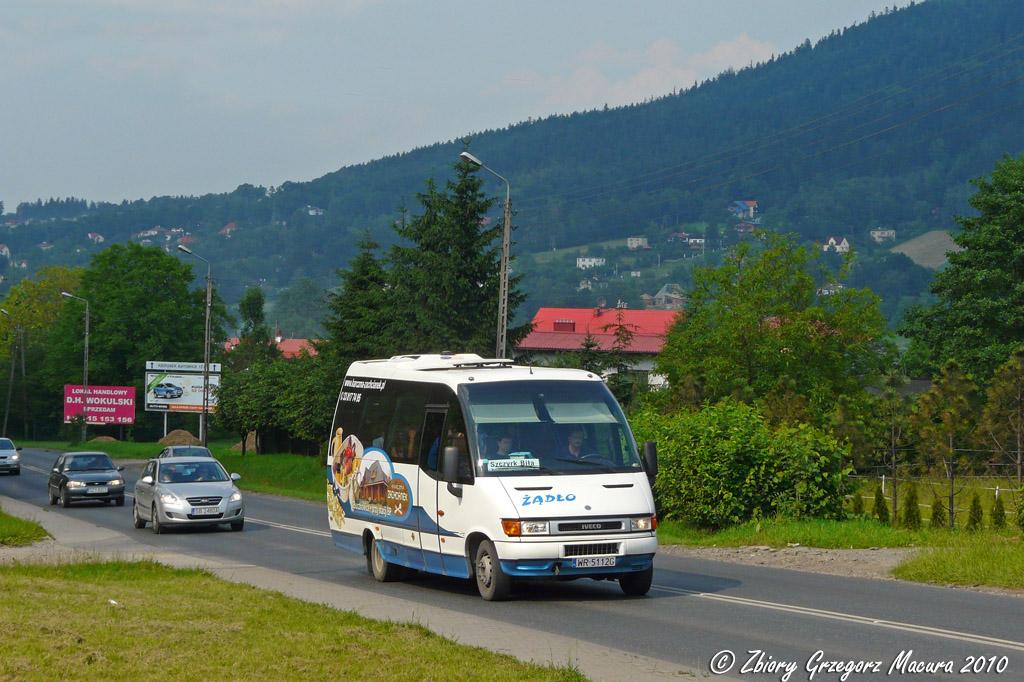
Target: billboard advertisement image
{"points": [[170, 392], [107, 404]]}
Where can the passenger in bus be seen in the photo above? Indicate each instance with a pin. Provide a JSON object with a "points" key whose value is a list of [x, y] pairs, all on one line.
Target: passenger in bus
{"points": [[404, 444], [500, 445]]}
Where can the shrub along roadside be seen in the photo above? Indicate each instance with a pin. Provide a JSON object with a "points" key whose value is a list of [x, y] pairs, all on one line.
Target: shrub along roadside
{"points": [[726, 465], [159, 624]]}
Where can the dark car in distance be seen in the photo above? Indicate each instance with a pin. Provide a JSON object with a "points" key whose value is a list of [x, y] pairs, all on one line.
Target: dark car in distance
{"points": [[184, 451], [82, 476], [10, 460]]}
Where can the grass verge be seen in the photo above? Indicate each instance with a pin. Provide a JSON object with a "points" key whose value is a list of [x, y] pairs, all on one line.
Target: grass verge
{"points": [[186, 624], [15, 532], [855, 533], [968, 559], [279, 474]]}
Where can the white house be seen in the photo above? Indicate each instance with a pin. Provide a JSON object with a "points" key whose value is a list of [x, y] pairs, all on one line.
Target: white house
{"points": [[634, 243], [882, 235], [583, 263], [5, 252], [837, 244], [96, 237]]}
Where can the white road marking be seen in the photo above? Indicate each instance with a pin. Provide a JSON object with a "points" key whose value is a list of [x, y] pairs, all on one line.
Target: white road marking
{"points": [[285, 526], [850, 618]]}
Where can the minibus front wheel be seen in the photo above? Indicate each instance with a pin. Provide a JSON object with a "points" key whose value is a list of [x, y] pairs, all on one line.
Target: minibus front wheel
{"points": [[494, 584], [637, 584]]}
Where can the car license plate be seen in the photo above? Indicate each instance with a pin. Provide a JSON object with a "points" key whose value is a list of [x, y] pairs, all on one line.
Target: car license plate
{"points": [[593, 561], [95, 490], [205, 511]]}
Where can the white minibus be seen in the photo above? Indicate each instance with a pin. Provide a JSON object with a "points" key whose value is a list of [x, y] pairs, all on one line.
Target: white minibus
{"points": [[485, 470]]}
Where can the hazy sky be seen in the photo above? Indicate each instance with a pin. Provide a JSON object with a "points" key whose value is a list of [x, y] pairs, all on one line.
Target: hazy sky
{"points": [[127, 99]]}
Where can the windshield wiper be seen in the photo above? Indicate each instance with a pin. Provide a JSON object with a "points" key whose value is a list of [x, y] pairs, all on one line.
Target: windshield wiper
{"points": [[602, 467]]}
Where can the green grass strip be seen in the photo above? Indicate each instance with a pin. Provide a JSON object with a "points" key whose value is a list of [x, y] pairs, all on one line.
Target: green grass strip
{"points": [[15, 532], [969, 559], [59, 623]]}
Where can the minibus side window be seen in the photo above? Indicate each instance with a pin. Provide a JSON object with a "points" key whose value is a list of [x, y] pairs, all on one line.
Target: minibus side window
{"points": [[404, 438], [443, 433], [457, 437]]}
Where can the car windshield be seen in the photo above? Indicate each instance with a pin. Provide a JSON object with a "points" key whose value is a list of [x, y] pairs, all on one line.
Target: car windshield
{"points": [[529, 428], [193, 472], [6, 444], [99, 462], [188, 452]]}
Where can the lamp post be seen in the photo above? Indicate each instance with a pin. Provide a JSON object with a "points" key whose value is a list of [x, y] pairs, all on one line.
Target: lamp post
{"points": [[506, 237], [206, 345], [85, 365]]}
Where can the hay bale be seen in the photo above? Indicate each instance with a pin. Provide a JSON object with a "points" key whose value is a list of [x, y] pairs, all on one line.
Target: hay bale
{"points": [[103, 439], [179, 437], [250, 443]]}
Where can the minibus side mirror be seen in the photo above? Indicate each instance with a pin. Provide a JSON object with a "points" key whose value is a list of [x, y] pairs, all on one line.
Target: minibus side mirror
{"points": [[651, 460], [450, 464], [450, 469]]}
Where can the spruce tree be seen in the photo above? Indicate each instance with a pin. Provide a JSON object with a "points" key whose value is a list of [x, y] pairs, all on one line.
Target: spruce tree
{"points": [[358, 312], [998, 514], [939, 517], [911, 510], [881, 510], [975, 515], [858, 504]]}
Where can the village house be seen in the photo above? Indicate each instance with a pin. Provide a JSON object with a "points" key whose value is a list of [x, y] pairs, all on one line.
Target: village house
{"points": [[634, 243], [837, 244], [586, 262], [228, 229], [95, 237], [44, 246], [561, 330], [290, 348], [743, 209], [882, 235], [5, 252], [669, 297]]}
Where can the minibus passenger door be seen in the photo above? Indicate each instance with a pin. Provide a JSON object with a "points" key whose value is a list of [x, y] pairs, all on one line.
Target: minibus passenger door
{"points": [[427, 485]]}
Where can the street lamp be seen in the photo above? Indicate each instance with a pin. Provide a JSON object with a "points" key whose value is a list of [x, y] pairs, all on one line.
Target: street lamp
{"points": [[206, 345], [85, 365], [506, 237]]}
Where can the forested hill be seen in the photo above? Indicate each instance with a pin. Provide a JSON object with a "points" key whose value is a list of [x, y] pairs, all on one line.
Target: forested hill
{"points": [[878, 124]]}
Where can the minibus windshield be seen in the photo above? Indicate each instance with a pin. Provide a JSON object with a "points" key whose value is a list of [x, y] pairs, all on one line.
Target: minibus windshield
{"points": [[531, 428]]}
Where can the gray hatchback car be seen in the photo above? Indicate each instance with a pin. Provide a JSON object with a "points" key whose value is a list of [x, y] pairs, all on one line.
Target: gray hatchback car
{"points": [[10, 457], [187, 491]]}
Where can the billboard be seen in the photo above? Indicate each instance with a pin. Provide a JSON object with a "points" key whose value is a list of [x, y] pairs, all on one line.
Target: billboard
{"points": [[170, 392], [107, 404]]}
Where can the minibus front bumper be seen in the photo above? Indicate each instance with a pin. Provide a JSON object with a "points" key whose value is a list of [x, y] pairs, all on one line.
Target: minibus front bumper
{"points": [[591, 557]]}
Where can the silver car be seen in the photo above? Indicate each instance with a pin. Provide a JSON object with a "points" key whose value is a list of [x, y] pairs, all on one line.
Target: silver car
{"points": [[10, 457], [187, 491]]}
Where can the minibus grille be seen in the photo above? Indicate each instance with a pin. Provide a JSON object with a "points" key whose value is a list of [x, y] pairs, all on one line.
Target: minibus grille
{"points": [[589, 526], [593, 549]]}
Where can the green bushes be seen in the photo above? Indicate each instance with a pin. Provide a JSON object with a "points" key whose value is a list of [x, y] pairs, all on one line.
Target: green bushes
{"points": [[998, 513], [727, 465], [939, 515], [880, 509], [975, 515]]}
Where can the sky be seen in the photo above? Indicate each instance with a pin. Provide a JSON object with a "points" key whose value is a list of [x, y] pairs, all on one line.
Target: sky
{"points": [[128, 99]]}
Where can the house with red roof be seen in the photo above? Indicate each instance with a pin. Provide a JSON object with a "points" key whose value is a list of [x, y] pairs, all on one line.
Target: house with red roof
{"points": [[743, 209], [289, 348], [560, 330], [228, 229]]}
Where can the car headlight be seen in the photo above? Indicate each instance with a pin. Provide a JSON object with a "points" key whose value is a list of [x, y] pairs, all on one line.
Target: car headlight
{"points": [[117, 481], [236, 496], [15, 457], [168, 498], [643, 523], [75, 484]]}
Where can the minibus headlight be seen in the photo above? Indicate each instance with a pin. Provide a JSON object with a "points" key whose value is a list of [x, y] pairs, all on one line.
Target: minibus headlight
{"points": [[643, 523], [535, 527]]}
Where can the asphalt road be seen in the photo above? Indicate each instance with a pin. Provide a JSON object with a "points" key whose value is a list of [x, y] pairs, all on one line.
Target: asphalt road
{"points": [[695, 610]]}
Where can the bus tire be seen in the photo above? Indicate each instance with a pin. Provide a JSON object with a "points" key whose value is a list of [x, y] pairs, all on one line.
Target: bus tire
{"points": [[637, 584], [492, 582], [382, 569]]}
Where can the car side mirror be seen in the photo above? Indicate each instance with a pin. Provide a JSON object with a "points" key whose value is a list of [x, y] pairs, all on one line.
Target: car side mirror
{"points": [[651, 460], [18, 448], [236, 477], [148, 480], [120, 467], [56, 470]]}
